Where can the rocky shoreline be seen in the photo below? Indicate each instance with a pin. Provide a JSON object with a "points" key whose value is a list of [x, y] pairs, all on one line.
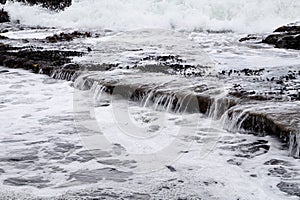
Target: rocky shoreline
{"points": [[58, 64], [258, 101]]}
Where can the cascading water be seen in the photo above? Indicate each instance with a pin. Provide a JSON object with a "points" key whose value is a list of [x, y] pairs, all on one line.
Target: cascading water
{"points": [[220, 107]]}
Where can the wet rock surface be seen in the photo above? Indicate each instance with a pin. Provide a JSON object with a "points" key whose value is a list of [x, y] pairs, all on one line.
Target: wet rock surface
{"points": [[261, 94], [290, 188], [67, 37], [287, 37], [39, 61], [51, 4], [3, 16]]}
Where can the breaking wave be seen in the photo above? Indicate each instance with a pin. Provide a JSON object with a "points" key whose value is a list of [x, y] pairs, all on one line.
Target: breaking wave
{"points": [[190, 15]]}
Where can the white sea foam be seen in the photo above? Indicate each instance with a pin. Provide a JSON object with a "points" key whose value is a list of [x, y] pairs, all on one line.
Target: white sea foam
{"points": [[242, 16]]}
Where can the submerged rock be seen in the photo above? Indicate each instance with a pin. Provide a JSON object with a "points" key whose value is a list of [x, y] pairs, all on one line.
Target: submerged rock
{"points": [[285, 37], [290, 188]]}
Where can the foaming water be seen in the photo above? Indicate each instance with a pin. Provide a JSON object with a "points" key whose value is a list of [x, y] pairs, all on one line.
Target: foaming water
{"points": [[242, 16]]}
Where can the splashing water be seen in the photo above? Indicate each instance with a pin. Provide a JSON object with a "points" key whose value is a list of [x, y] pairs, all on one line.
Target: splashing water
{"points": [[241, 16]]}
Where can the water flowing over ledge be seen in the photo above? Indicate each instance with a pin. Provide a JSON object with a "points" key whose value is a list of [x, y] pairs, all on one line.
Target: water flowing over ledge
{"points": [[155, 77], [209, 98]]}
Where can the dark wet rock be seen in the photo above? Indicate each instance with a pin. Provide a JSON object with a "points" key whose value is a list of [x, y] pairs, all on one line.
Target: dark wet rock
{"points": [[3, 37], [4, 17], [278, 171], [277, 162], [248, 150], [38, 61], [211, 182], [285, 37], [171, 168], [174, 62], [38, 182], [26, 158], [289, 42], [164, 58], [67, 36], [292, 28], [290, 188], [50, 4], [264, 85], [234, 162], [93, 176], [3, 71], [248, 37]]}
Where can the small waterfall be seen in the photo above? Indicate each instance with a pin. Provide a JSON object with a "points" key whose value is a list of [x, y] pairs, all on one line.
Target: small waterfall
{"points": [[232, 120], [154, 98], [235, 116], [249, 119], [63, 74], [294, 144], [159, 101], [221, 104]]}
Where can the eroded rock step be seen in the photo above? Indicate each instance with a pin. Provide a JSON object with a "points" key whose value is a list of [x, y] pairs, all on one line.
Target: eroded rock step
{"points": [[198, 94], [269, 118], [204, 95]]}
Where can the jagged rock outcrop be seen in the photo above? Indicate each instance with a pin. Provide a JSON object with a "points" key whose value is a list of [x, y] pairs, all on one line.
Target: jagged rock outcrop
{"points": [[3, 16], [285, 37]]}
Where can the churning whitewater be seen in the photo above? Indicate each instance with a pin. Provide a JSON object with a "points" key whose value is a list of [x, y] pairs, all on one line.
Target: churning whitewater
{"points": [[243, 15]]}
